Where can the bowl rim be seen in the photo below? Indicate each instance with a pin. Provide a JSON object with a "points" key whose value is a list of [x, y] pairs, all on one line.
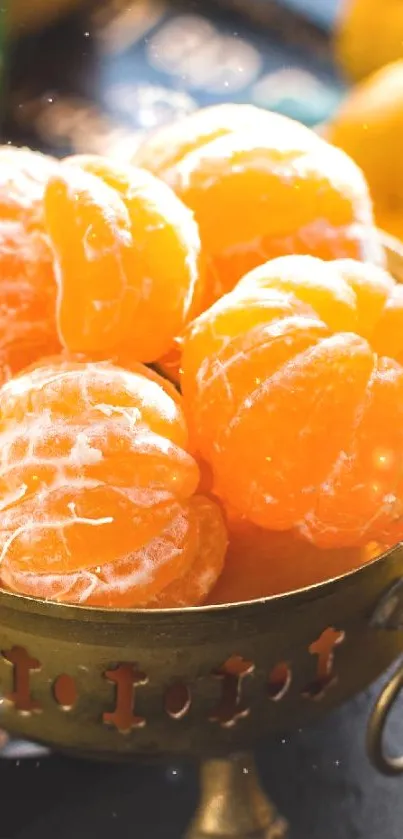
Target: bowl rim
{"points": [[75, 611]]}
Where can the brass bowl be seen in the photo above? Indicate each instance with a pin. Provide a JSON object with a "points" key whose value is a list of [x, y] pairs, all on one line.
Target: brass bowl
{"points": [[203, 681], [206, 681]]}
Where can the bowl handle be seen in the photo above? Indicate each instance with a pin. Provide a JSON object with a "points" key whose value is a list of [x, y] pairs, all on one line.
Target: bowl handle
{"points": [[233, 804], [385, 763]]}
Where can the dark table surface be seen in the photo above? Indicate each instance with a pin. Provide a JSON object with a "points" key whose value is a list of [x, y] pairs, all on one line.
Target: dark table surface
{"points": [[319, 778]]}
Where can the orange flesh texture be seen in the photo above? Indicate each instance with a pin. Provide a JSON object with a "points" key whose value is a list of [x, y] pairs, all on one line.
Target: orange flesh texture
{"points": [[299, 419], [261, 563], [27, 283], [27, 297], [142, 267], [94, 258], [199, 531], [95, 484], [364, 491], [194, 586], [65, 361], [165, 147], [166, 239], [23, 176], [120, 583], [258, 194]]}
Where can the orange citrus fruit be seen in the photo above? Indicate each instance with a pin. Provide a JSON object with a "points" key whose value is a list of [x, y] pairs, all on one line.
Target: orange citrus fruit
{"points": [[98, 490], [261, 185], [368, 34], [127, 256], [369, 127], [27, 282], [298, 416]]}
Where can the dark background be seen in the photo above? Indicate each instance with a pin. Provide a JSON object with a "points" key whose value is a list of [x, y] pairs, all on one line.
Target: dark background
{"points": [[117, 68], [320, 779]]}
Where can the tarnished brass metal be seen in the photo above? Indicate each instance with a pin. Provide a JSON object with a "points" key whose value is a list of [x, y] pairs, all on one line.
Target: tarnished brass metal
{"points": [[123, 667], [388, 613], [386, 764], [206, 681], [232, 803]]}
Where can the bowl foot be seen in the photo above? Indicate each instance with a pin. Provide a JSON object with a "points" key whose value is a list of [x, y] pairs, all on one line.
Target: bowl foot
{"points": [[233, 804]]}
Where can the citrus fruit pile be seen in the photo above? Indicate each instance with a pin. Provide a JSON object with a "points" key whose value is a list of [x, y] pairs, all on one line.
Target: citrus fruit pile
{"points": [[237, 256]]}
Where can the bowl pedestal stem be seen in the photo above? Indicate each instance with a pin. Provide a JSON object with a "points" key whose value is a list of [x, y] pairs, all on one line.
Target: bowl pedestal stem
{"points": [[233, 804]]}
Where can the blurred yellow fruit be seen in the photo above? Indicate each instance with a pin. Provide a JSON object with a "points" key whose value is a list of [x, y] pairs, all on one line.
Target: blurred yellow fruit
{"points": [[369, 127], [369, 34]]}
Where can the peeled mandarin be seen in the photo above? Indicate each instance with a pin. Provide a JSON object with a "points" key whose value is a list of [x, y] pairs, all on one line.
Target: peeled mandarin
{"points": [[298, 417], [128, 260], [97, 487], [263, 187]]}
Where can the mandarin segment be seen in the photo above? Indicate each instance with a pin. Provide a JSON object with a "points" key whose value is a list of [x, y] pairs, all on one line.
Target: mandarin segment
{"points": [[65, 390], [364, 490], [27, 297], [128, 259], [261, 187], [94, 257], [23, 177], [288, 402], [27, 282], [192, 588], [65, 360], [373, 289], [286, 412], [345, 294], [311, 282], [123, 583], [167, 243], [97, 486], [165, 147]]}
